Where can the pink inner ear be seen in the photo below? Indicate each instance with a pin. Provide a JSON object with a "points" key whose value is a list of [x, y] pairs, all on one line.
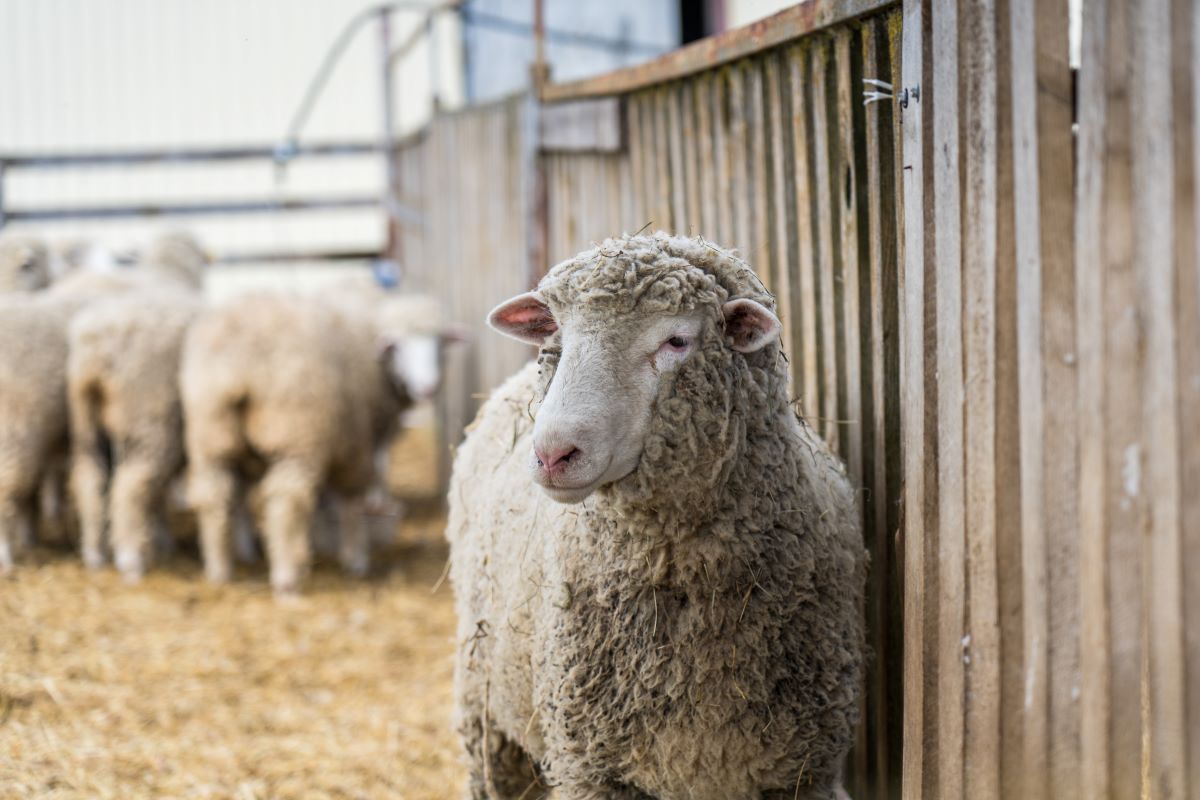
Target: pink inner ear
{"points": [[525, 315], [749, 325], [525, 318]]}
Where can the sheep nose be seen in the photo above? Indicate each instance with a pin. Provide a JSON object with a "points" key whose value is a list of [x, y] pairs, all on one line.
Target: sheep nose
{"points": [[556, 458]]}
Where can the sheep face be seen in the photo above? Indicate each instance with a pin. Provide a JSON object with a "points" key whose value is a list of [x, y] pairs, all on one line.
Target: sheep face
{"points": [[24, 266], [415, 363], [609, 370]]}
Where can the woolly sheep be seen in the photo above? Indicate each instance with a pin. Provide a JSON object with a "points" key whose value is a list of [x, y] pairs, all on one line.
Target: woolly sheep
{"points": [[126, 419], [33, 410], [690, 627], [24, 264], [290, 394], [172, 260]]}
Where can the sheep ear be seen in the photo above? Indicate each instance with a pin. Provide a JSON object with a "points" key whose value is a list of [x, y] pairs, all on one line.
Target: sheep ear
{"points": [[749, 325], [524, 318]]}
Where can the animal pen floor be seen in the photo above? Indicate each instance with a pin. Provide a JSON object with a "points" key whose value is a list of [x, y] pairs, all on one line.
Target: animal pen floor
{"points": [[174, 688]]}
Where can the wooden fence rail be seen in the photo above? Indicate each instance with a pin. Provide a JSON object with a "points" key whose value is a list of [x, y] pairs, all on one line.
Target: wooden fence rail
{"points": [[991, 305]]}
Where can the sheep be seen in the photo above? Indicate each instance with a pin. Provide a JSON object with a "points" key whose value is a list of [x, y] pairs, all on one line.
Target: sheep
{"points": [[24, 264], [33, 411], [171, 260], [126, 418], [675, 614], [284, 395]]}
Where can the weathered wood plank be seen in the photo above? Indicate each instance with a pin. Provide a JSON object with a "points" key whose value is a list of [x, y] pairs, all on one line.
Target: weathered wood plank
{"points": [[1060, 473], [953, 639], [663, 162], [880, 255], [725, 231], [781, 210], [823, 145], [690, 134], [919, 748], [758, 180], [849, 267], [737, 156], [1095, 673], [1125, 446], [982, 731], [639, 215], [1185, 49], [1150, 99], [706, 98], [805, 267], [1010, 393]]}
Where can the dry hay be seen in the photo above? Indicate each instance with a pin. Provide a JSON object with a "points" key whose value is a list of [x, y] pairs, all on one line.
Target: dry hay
{"points": [[174, 688]]}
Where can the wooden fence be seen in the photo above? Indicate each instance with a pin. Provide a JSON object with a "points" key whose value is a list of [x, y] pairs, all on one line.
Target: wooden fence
{"points": [[992, 310]]}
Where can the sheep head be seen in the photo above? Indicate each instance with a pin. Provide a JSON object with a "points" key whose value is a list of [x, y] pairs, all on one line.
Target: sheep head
{"points": [[635, 336]]}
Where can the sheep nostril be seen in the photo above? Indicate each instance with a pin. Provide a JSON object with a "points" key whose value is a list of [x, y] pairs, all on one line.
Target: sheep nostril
{"points": [[558, 458]]}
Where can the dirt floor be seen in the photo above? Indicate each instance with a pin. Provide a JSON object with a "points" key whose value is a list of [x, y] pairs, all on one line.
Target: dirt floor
{"points": [[174, 688]]}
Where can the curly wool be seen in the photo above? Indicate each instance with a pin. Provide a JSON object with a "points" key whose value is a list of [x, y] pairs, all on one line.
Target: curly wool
{"points": [[694, 630]]}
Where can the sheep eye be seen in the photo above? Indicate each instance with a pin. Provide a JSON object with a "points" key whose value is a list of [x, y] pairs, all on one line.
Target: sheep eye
{"points": [[677, 342]]}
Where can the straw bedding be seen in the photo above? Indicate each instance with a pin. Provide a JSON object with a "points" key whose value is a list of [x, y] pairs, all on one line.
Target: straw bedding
{"points": [[174, 688]]}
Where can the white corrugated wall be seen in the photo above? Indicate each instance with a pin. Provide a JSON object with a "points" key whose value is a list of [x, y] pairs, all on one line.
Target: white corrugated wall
{"points": [[86, 75]]}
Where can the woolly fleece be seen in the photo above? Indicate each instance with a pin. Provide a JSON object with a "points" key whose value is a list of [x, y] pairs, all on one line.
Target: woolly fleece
{"points": [[690, 631], [123, 389]]}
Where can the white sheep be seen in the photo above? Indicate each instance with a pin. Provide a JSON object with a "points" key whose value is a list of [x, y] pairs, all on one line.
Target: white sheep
{"points": [[126, 419], [33, 411], [675, 612], [284, 395], [24, 264]]}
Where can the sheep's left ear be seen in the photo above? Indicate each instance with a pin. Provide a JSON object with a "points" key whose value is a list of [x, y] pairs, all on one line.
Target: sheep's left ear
{"points": [[749, 325]]}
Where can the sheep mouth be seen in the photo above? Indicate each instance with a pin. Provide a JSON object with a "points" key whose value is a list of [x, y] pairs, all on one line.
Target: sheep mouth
{"points": [[568, 488]]}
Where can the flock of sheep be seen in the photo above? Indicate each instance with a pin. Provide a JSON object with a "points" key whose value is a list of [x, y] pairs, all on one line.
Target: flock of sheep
{"points": [[114, 384], [658, 566]]}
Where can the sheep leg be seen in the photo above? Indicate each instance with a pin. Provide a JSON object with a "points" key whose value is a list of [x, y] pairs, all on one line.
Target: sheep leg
{"points": [[244, 545], [212, 491], [53, 501], [288, 494], [132, 496], [354, 541], [12, 518], [88, 478]]}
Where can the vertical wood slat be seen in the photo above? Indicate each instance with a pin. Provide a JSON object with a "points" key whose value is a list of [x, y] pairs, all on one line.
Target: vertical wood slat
{"points": [[781, 210], [1124, 447], [723, 196], [1059, 465], [918, 748], [1154, 233], [1185, 43], [1010, 575], [951, 555], [660, 155], [845, 191], [673, 99], [982, 656], [691, 133], [758, 244], [806, 308], [1095, 677], [737, 144], [821, 146], [882, 347], [705, 94]]}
